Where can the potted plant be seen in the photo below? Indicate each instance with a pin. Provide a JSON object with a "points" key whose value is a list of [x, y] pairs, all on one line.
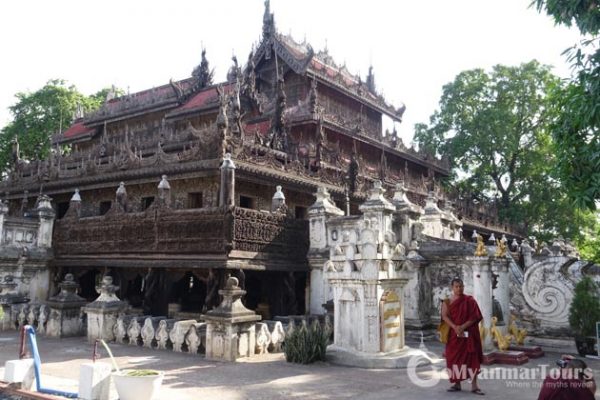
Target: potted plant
{"points": [[134, 384], [584, 312], [137, 384]]}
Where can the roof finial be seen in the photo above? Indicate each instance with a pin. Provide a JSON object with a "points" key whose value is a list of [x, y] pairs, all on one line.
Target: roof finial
{"points": [[268, 21], [371, 80]]}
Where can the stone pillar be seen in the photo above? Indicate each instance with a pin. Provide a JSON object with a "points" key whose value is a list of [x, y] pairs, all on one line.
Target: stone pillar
{"points": [[102, 313], [377, 211], [406, 214], [318, 254], [230, 328], [65, 310], [8, 297], [432, 219], [46, 215], [502, 291], [451, 224], [227, 190], [482, 292]]}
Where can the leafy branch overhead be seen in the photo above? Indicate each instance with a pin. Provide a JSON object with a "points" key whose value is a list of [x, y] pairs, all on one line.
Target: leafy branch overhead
{"points": [[576, 127]]}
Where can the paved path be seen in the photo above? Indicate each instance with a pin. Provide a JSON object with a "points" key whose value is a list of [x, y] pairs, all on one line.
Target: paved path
{"points": [[266, 377]]}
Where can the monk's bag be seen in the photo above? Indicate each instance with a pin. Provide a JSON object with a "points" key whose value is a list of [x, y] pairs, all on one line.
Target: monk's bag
{"points": [[443, 328]]}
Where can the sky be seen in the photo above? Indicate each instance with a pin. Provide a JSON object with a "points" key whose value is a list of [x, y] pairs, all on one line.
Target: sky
{"points": [[415, 47]]}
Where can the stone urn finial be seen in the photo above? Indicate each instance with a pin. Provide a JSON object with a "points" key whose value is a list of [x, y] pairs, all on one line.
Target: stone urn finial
{"points": [[232, 283], [107, 290], [68, 292], [76, 196]]}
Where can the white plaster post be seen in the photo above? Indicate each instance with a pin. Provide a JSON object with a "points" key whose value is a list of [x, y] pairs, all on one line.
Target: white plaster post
{"points": [[46, 215], [19, 371], [482, 292], [318, 254], [94, 381], [502, 291]]}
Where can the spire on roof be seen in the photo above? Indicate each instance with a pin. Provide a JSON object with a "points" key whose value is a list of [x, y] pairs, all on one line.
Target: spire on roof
{"points": [[371, 80], [203, 73], [268, 21]]}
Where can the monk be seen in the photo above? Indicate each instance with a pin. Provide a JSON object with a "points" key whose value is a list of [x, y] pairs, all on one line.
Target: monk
{"points": [[464, 353], [575, 382]]}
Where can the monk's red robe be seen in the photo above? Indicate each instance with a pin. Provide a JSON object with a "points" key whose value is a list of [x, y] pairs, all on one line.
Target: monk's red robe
{"points": [[464, 355], [564, 389]]}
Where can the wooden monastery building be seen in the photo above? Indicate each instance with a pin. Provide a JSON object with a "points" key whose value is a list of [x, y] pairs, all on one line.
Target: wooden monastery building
{"points": [[149, 194]]}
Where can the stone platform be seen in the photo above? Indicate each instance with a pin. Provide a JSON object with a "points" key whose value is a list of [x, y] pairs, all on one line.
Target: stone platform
{"points": [[505, 357], [398, 359], [269, 377], [530, 351]]}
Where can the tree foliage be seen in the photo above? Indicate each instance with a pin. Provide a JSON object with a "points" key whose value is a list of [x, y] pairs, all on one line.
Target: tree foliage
{"points": [[589, 248], [39, 115], [584, 311], [576, 128], [494, 128]]}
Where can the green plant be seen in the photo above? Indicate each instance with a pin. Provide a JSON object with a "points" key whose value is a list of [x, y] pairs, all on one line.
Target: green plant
{"points": [[585, 308], [307, 344], [141, 372]]}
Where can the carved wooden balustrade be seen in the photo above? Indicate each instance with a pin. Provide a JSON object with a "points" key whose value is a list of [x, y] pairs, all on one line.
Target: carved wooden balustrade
{"points": [[209, 231]]}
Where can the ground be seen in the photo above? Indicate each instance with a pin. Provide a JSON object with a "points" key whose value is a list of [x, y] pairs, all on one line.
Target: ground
{"points": [[265, 377]]}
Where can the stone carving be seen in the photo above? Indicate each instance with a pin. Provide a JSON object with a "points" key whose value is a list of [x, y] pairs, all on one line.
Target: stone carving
{"points": [[179, 332], [263, 338], [162, 333], [277, 337], [32, 314], [120, 329], [192, 340], [548, 291], [42, 318], [134, 331], [148, 331]]}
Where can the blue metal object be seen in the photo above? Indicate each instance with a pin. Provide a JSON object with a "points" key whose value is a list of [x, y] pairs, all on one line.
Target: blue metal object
{"points": [[37, 367]]}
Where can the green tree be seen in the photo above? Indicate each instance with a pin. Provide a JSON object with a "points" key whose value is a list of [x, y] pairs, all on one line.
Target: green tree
{"points": [[494, 129], [39, 115], [590, 246], [576, 128], [584, 311]]}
